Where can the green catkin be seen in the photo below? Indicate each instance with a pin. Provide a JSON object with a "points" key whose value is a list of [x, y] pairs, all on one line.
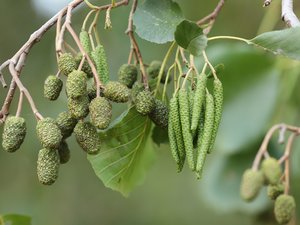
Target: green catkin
{"points": [[218, 99], [79, 108], [47, 166], [284, 208], [48, 133], [99, 57], [144, 102], [76, 85], [66, 124], [199, 100], [128, 74], [14, 133], [251, 184], [160, 113], [174, 119], [272, 170], [174, 147], [52, 87], [275, 190], [85, 41], [64, 152], [86, 68], [116, 92], [87, 137], [100, 112], [184, 112], [66, 63]]}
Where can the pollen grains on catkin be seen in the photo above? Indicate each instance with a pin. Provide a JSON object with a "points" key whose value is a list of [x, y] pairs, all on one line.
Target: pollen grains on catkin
{"points": [[48, 133], [144, 102], [66, 123], [272, 170], [52, 87], [116, 92], [252, 182], [100, 112], [128, 74], [160, 113], [76, 85], [284, 208], [14, 133], [66, 63]]}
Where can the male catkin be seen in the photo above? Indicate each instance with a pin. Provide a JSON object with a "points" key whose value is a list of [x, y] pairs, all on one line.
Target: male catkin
{"points": [[184, 112], [144, 102], [14, 133], [76, 85], [116, 92], [48, 133], [284, 208], [99, 57], [66, 123], [52, 87], [204, 140], [79, 108], [100, 112], [252, 182], [66, 63], [85, 41], [174, 147], [218, 99], [128, 74]]}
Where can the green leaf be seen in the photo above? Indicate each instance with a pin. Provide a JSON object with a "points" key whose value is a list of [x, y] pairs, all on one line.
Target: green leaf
{"points": [[189, 36], [284, 42], [14, 219], [125, 154], [160, 136], [156, 20]]}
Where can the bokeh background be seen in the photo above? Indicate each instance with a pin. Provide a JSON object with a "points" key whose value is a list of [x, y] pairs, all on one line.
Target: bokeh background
{"points": [[260, 90]]}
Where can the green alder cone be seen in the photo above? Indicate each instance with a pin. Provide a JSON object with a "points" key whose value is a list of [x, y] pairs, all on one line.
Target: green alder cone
{"points": [[86, 68], [79, 108], [116, 92], [66, 63], [252, 182], [272, 170], [52, 87], [99, 57], [49, 133], [160, 113], [185, 125], [174, 119], [47, 166], [218, 99], [144, 102], [135, 90], [87, 137], [275, 190], [76, 85], [284, 208], [204, 141], [64, 152], [100, 112], [85, 41], [66, 124], [91, 92], [14, 133], [200, 94], [153, 71], [128, 74]]}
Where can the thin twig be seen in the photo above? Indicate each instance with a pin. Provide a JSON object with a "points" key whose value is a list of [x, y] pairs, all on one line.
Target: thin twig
{"points": [[210, 65], [20, 104], [287, 151], [288, 15]]}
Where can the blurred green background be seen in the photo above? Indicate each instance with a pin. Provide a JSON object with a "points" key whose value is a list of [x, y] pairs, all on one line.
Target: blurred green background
{"points": [[260, 90]]}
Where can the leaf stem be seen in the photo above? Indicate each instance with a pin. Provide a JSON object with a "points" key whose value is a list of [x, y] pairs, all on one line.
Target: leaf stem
{"points": [[229, 38]]}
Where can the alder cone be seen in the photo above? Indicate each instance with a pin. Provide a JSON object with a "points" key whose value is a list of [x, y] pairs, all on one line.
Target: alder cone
{"points": [[52, 87], [144, 102], [86, 68], [116, 92], [272, 170], [49, 133], [252, 182], [275, 190], [128, 74], [100, 112], [76, 85], [79, 108], [154, 69], [66, 63], [284, 208], [64, 152], [160, 113], [66, 123]]}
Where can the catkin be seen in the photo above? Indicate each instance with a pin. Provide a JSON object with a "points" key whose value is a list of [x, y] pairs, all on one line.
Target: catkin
{"points": [[52, 87], [174, 147], [99, 57], [185, 125], [199, 99], [204, 139], [85, 41], [218, 99]]}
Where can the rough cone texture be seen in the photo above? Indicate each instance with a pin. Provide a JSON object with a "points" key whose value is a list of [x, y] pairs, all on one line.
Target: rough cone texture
{"points": [[136, 89], [91, 92], [144, 103], [48, 133], [64, 152], [153, 71], [128, 74], [159, 115], [252, 182], [275, 190], [116, 92], [272, 170], [47, 166], [52, 87], [66, 124], [13, 134], [66, 63], [100, 112], [76, 85], [79, 108], [87, 137], [85, 67], [284, 208]]}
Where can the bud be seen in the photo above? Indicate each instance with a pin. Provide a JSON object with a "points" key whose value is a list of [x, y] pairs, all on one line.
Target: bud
{"points": [[76, 85], [159, 115], [48, 133], [272, 170], [66, 63], [251, 184], [79, 108], [14, 133], [275, 190], [87, 137], [144, 102], [116, 92], [101, 112], [284, 208], [64, 152], [128, 74], [66, 124], [52, 87], [47, 166]]}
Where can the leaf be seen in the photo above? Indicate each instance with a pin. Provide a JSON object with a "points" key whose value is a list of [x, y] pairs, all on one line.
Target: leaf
{"points": [[125, 154], [14, 219], [160, 136], [156, 20], [189, 36], [284, 42]]}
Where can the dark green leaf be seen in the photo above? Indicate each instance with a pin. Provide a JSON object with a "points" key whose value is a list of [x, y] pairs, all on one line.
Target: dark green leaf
{"points": [[125, 154], [189, 36], [160, 135], [14, 219], [284, 42], [156, 20]]}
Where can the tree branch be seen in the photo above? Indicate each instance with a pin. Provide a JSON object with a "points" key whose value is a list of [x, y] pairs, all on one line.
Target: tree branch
{"points": [[288, 15]]}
